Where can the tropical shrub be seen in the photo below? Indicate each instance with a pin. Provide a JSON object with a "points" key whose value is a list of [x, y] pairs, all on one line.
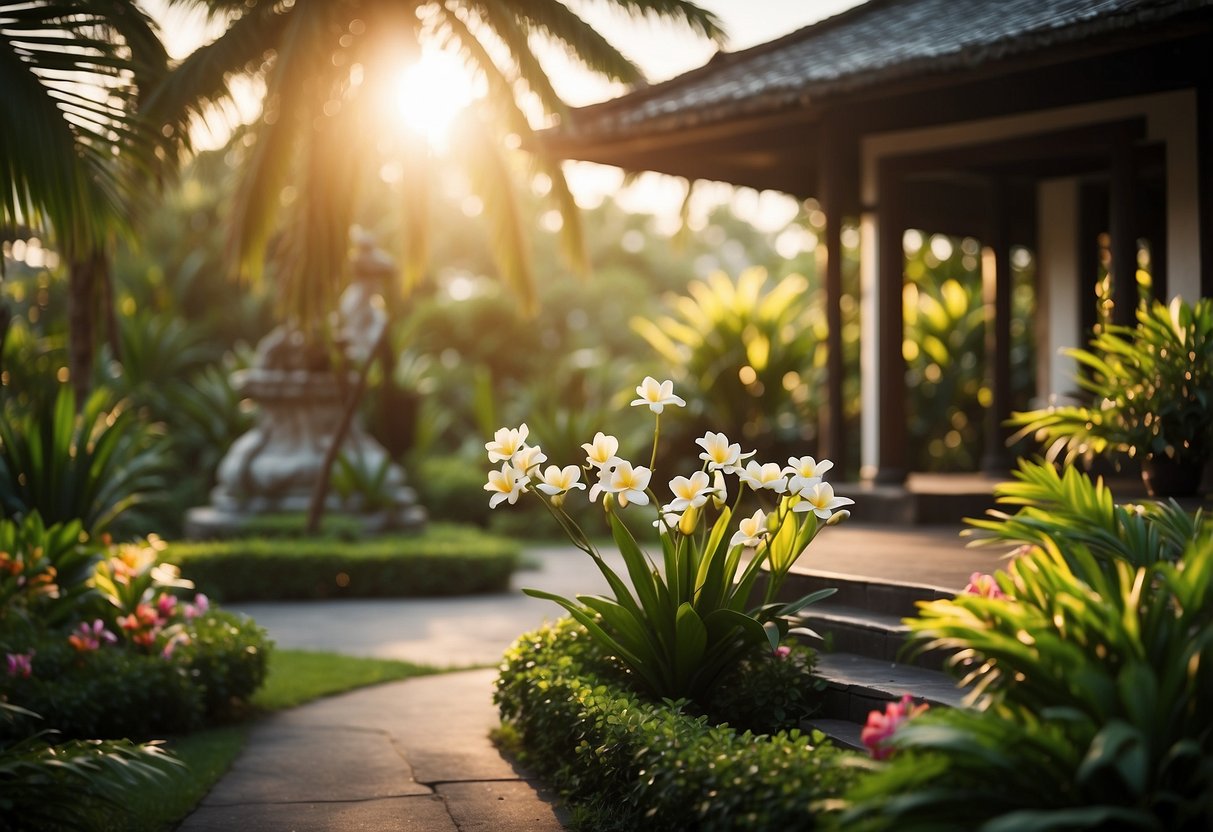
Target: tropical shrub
{"points": [[43, 571], [1151, 387], [747, 353], [627, 762], [1091, 672], [99, 466], [679, 628]]}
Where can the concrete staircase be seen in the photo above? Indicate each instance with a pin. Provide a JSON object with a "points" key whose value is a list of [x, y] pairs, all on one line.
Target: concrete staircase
{"points": [[861, 655]]}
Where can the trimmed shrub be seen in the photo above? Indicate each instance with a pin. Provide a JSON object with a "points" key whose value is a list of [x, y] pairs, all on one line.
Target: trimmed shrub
{"points": [[226, 656], [635, 763], [443, 560]]}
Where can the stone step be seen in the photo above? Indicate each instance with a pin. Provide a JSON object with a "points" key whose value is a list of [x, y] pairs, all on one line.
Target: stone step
{"points": [[894, 599], [857, 685], [845, 629]]}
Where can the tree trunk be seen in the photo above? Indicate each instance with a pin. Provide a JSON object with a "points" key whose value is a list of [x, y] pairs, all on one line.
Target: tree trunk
{"points": [[81, 320], [320, 492]]}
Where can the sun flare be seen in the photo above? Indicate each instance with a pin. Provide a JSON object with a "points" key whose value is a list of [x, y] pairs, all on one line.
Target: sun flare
{"points": [[431, 93]]}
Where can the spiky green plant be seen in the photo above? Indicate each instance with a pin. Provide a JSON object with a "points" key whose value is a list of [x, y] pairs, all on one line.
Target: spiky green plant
{"points": [[79, 784], [94, 466], [745, 352]]}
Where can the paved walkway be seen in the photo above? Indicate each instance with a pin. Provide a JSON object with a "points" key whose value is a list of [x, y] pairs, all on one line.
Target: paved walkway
{"points": [[415, 755]]}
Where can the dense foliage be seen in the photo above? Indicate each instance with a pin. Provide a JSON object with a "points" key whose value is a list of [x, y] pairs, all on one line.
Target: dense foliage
{"points": [[103, 642], [629, 762], [1151, 390], [1091, 669]]}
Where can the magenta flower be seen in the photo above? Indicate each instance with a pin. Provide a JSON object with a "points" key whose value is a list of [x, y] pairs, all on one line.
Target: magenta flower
{"points": [[984, 586], [20, 664], [166, 605], [782, 651], [881, 726], [199, 607], [88, 637]]}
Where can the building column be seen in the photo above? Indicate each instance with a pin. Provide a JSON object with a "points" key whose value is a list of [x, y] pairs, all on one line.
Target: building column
{"points": [[996, 294], [883, 372], [829, 266], [1122, 229], [1063, 289]]}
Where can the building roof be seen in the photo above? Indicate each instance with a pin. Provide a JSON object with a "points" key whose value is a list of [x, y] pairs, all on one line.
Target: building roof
{"points": [[873, 44]]}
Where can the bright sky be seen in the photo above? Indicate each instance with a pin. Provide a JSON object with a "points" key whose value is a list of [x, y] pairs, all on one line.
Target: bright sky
{"points": [[662, 51]]}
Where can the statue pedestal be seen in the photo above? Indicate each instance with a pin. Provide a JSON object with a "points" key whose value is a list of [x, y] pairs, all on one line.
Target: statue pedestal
{"points": [[274, 467]]}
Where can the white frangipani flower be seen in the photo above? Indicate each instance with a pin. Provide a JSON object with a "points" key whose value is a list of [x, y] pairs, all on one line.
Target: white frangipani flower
{"points": [[656, 395], [528, 457], [507, 442], [690, 492], [751, 530], [506, 485], [602, 451], [819, 498], [557, 480], [805, 471], [629, 483], [769, 476], [668, 521], [719, 454]]}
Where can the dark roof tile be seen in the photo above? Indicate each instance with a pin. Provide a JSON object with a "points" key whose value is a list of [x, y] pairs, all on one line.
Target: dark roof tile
{"points": [[880, 41]]}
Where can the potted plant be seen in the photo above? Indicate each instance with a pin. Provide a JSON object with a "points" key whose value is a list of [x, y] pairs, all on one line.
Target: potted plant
{"points": [[1152, 388]]}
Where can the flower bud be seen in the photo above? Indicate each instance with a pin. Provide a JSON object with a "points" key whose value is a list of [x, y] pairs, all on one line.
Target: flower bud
{"points": [[608, 501], [720, 493], [838, 517], [773, 522], [690, 519], [557, 500]]}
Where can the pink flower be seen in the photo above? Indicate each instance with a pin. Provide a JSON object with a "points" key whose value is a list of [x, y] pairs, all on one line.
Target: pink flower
{"points": [[166, 605], [199, 607], [88, 637], [783, 651], [19, 664], [984, 586], [171, 645], [881, 726]]}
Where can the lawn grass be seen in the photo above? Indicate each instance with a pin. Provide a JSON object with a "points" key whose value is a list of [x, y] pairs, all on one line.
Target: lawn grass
{"points": [[295, 677]]}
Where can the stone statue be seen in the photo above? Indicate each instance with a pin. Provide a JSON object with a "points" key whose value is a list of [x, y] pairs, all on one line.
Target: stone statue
{"points": [[274, 467]]}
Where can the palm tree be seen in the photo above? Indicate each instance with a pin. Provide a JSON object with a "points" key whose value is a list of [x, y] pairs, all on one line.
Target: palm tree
{"points": [[324, 64], [74, 157]]}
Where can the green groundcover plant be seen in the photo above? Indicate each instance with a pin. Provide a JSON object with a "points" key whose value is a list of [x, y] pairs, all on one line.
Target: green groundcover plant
{"points": [[1090, 660], [681, 627]]}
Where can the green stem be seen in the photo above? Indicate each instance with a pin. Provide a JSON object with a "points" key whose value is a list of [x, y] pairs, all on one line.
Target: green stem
{"points": [[656, 435]]}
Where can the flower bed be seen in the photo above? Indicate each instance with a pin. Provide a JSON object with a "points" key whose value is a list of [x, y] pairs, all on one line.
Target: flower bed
{"points": [[442, 560], [630, 762]]}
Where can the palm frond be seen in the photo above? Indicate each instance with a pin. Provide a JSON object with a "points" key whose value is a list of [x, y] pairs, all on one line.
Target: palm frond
{"points": [[583, 43], [501, 19], [200, 81], [69, 79], [699, 20]]}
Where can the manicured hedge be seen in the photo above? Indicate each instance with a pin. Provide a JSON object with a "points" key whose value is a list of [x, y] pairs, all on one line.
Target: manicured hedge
{"points": [[442, 560], [630, 763]]}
